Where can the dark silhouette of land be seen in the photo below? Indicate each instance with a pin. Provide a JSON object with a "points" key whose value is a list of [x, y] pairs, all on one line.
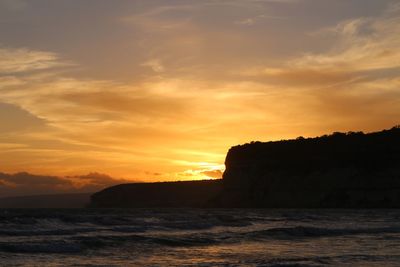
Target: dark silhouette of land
{"points": [[164, 194], [342, 170]]}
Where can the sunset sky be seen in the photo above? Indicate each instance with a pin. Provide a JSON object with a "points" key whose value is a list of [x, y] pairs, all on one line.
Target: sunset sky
{"points": [[160, 90]]}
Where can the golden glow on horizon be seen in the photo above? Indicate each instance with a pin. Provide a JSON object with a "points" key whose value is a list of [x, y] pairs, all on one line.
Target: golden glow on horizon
{"points": [[163, 90]]}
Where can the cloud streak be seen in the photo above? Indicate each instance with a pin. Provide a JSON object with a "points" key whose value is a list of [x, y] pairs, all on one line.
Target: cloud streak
{"points": [[16, 60]]}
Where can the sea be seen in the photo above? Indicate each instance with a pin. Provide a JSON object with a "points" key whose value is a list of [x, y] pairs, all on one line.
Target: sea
{"points": [[199, 237]]}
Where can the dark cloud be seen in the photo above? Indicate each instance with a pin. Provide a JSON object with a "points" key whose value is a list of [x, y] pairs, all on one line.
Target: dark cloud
{"points": [[26, 179], [24, 183], [96, 180]]}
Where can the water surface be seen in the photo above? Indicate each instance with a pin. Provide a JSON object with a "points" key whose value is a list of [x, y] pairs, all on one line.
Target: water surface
{"points": [[198, 237]]}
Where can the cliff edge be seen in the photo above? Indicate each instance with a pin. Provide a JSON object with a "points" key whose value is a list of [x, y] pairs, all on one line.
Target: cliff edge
{"points": [[342, 170]]}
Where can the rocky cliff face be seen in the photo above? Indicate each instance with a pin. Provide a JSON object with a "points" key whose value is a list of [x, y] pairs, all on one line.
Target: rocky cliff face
{"points": [[340, 170]]}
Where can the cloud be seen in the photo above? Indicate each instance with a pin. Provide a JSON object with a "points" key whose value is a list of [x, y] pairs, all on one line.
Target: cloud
{"points": [[27, 184], [18, 60], [256, 19], [24, 183], [213, 173], [160, 18], [142, 104], [302, 77], [44, 97], [362, 44], [155, 65], [96, 180], [247, 22], [10, 81], [26, 179], [361, 47]]}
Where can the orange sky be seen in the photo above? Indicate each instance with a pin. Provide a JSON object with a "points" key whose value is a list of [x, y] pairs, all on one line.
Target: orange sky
{"points": [[160, 90]]}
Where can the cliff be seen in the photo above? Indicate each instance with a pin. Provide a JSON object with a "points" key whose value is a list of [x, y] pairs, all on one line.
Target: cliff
{"points": [[337, 171], [342, 170]]}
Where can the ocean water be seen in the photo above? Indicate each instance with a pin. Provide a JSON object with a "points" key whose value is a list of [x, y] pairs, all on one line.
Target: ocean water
{"points": [[198, 237]]}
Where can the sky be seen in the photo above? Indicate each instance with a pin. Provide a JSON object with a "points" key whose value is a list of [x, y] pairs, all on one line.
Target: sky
{"points": [[160, 90]]}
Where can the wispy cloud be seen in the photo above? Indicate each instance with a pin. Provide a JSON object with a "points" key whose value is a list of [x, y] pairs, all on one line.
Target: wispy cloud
{"points": [[362, 44], [155, 65], [22, 60], [257, 19]]}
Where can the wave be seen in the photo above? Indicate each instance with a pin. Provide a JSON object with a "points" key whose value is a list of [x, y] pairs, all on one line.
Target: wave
{"points": [[310, 232], [81, 243], [76, 231], [161, 240], [72, 244], [57, 223]]}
